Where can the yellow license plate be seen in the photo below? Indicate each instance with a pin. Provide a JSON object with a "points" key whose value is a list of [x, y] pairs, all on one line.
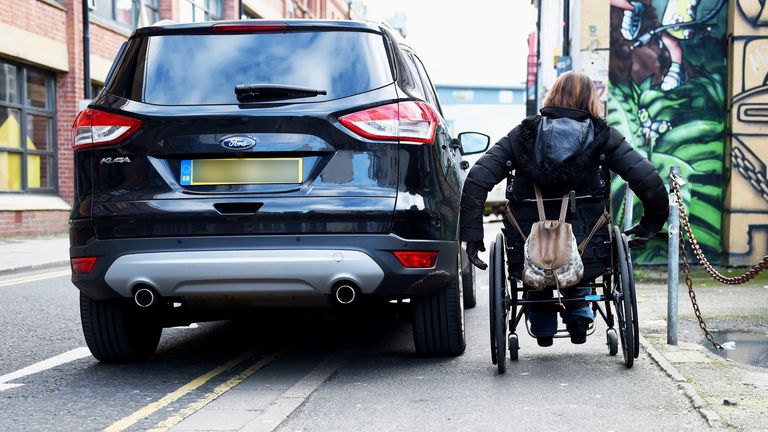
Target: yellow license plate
{"points": [[198, 172]]}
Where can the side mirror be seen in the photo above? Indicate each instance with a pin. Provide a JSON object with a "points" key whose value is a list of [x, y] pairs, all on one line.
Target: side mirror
{"points": [[473, 142]]}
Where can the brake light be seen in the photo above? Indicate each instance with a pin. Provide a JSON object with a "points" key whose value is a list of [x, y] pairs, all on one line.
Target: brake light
{"points": [[409, 121], [96, 128], [416, 259], [83, 265], [238, 27]]}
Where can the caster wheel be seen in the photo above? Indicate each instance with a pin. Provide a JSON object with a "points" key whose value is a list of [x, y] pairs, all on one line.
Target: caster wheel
{"points": [[514, 346], [613, 341]]}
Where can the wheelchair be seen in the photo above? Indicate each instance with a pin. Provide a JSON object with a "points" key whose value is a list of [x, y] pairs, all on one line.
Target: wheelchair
{"points": [[607, 269]]}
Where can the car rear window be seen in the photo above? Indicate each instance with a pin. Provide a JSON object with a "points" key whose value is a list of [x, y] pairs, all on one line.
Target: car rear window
{"points": [[204, 69]]}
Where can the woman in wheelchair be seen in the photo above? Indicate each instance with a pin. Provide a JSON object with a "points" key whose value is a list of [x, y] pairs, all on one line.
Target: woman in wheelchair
{"points": [[567, 150]]}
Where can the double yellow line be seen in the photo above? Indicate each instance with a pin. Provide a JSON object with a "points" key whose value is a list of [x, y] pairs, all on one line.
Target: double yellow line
{"points": [[182, 391], [34, 278]]}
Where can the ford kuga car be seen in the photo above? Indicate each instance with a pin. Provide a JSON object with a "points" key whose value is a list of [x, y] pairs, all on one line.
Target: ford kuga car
{"points": [[235, 165]]}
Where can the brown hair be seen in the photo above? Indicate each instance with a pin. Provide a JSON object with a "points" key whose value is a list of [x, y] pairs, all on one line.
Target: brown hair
{"points": [[574, 90]]}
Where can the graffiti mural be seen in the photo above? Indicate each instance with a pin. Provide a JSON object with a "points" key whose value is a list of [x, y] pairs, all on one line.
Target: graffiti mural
{"points": [[667, 96], [746, 204]]}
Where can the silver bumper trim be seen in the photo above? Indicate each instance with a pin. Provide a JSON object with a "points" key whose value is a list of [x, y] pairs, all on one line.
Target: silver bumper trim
{"points": [[262, 272]]}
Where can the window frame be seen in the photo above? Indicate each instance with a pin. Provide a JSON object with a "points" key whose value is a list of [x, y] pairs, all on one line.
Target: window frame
{"points": [[136, 9], [207, 14], [28, 110]]}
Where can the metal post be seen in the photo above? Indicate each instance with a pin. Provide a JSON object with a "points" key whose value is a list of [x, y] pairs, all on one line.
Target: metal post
{"points": [[629, 207], [673, 258], [86, 52], [567, 27]]}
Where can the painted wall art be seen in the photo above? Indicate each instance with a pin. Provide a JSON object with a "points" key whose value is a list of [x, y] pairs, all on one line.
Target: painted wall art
{"points": [[668, 96]]}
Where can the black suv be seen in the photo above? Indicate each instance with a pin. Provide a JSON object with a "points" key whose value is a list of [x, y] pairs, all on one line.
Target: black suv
{"points": [[241, 164]]}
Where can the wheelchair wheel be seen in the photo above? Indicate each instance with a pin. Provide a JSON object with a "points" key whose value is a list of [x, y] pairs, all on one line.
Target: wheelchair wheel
{"points": [[514, 346], [492, 300], [500, 302], [633, 295], [613, 341], [622, 298]]}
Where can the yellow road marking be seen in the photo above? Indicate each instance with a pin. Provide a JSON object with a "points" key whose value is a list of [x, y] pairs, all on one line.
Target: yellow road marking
{"points": [[168, 399], [210, 397], [34, 278]]}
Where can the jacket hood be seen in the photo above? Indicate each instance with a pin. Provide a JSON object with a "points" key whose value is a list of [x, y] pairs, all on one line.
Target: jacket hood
{"points": [[557, 147]]}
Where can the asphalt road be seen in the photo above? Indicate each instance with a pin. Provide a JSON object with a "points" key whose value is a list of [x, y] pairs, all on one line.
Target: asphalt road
{"points": [[313, 371]]}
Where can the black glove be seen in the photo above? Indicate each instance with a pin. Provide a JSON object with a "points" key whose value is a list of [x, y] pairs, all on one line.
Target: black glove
{"points": [[473, 248], [642, 236]]}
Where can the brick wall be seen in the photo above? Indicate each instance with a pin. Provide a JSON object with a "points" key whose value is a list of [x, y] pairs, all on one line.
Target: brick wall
{"points": [[104, 41], [32, 223], [35, 16]]}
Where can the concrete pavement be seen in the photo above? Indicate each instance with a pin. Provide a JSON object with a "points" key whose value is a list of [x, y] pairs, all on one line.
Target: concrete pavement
{"points": [[19, 254]]}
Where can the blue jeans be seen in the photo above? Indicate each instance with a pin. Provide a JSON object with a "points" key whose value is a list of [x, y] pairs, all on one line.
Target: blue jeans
{"points": [[543, 318]]}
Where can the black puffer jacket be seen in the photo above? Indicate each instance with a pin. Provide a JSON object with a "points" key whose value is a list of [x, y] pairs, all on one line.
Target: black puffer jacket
{"points": [[518, 151]]}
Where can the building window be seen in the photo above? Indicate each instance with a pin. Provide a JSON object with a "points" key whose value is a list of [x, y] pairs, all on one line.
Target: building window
{"points": [[129, 13], [199, 10], [27, 135]]}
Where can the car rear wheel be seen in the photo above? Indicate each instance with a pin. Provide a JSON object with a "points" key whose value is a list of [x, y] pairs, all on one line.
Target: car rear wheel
{"points": [[116, 332], [438, 321]]}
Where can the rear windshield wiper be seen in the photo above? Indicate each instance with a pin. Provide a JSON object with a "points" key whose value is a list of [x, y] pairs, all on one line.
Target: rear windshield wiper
{"points": [[273, 92]]}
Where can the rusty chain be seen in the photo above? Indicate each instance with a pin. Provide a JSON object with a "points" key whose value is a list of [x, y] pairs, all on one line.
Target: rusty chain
{"points": [[744, 278], [737, 280], [692, 294]]}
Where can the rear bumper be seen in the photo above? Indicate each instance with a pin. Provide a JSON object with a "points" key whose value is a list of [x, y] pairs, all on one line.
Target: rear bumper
{"points": [[270, 267]]}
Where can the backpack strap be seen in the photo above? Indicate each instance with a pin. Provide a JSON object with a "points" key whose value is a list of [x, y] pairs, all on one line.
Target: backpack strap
{"points": [[513, 221], [605, 217], [540, 205], [564, 207]]}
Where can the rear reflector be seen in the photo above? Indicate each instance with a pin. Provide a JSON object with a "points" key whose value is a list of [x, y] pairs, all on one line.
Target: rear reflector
{"points": [[83, 265], [410, 121], [247, 28], [96, 128], [416, 259]]}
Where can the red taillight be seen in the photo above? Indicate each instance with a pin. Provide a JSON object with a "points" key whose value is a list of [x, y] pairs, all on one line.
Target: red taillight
{"points": [[83, 265], [416, 259], [405, 121], [237, 27], [95, 128]]}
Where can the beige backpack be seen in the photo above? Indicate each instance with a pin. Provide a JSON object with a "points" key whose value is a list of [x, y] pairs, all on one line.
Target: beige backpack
{"points": [[552, 259]]}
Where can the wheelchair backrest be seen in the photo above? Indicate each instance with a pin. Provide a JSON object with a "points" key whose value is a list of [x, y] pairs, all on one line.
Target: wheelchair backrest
{"points": [[592, 198]]}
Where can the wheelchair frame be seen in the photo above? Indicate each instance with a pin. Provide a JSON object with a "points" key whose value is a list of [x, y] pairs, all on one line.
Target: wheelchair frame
{"points": [[615, 290]]}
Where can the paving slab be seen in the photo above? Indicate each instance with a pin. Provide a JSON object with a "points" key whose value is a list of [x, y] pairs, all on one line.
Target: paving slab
{"points": [[17, 255]]}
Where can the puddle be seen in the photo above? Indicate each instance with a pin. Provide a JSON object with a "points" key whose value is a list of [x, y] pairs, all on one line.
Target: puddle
{"points": [[751, 348]]}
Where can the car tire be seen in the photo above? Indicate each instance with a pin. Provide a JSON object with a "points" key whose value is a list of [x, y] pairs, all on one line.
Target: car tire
{"points": [[438, 322], [116, 332], [468, 283]]}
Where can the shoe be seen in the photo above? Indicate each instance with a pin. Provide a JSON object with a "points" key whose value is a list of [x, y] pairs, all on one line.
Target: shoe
{"points": [[673, 78], [578, 330], [544, 341], [630, 23]]}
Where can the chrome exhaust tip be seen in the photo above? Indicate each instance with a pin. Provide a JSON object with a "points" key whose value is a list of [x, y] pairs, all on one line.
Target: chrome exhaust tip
{"points": [[345, 294], [144, 297]]}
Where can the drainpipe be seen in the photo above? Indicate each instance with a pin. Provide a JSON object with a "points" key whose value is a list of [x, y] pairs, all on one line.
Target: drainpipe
{"points": [[86, 52], [349, 9], [240, 16], [538, 55], [566, 27]]}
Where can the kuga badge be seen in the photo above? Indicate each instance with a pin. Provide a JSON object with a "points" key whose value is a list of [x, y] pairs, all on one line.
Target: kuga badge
{"points": [[237, 143]]}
